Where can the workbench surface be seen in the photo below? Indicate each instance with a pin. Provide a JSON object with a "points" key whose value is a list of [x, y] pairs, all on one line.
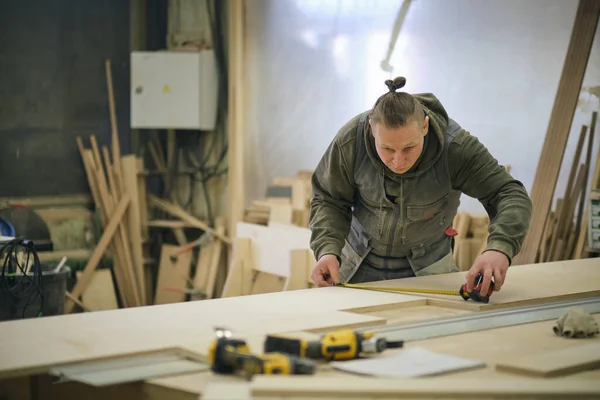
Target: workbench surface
{"points": [[37, 345]]}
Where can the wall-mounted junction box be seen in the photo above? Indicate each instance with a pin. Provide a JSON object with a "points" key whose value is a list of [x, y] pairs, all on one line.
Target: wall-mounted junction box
{"points": [[174, 90]]}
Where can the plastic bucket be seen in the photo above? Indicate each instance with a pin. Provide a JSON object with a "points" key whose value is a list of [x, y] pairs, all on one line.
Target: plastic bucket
{"points": [[54, 285]]}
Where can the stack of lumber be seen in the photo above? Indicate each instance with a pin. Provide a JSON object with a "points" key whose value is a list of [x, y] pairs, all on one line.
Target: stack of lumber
{"points": [[269, 259], [287, 201], [566, 229], [188, 270], [471, 239], [119, 196], [118, 187], [176, 279]]}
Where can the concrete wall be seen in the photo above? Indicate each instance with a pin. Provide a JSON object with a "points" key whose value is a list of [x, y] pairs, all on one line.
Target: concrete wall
{"points": [[53, 89]]}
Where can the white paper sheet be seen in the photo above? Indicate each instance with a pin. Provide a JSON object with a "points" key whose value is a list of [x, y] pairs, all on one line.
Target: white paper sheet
{"points": [[408, 363]]}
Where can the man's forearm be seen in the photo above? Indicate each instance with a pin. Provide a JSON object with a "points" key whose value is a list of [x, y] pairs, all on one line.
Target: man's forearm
{"points": [[476, 173], [329, 225], [331, 204], [509, 226]]}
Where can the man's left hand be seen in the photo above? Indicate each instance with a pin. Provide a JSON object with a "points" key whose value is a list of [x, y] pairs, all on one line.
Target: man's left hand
{"points": [[490, 264]]}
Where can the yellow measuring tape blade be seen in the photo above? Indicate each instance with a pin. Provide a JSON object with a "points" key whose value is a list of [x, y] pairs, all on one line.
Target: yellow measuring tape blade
{"points": [[397, 289]]}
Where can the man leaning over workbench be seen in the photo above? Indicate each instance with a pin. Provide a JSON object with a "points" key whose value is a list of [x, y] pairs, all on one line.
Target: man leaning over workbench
{"points": [[387, 189]]}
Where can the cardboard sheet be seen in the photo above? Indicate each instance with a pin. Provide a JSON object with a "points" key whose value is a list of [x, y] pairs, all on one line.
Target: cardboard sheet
{"points": [[409, 363]]}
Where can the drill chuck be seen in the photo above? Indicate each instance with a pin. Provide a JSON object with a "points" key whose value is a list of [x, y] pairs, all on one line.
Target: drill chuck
{"points": [[374, 345]]}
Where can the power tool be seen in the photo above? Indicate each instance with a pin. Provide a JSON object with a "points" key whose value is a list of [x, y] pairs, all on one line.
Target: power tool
{"points": [[474, 295], [344, 344], [228, 355]]}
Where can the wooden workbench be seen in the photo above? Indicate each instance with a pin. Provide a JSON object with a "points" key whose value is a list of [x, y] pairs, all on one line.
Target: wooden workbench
{"points": [[30, 347]]}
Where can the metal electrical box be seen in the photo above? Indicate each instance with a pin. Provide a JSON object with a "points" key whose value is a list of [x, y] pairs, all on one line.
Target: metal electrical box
{"points": [[174, 90]]}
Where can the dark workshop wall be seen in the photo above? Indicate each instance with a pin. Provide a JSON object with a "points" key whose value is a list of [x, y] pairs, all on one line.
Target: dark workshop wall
{"points": [[53, 88]]}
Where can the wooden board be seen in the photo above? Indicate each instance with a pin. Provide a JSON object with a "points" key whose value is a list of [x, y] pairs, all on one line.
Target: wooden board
{"points": [[523, 285], [172, 275], [492, 346], [559, 127], [272, 245], [236, 116], [265, 387], [134, 224], [359, 387], [100, 292], [89, 336], [556, 362], [281, 213], [80, 337]]}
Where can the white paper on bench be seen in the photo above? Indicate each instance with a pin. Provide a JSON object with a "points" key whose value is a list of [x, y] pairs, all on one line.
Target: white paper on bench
{"points": [[408, 363]]}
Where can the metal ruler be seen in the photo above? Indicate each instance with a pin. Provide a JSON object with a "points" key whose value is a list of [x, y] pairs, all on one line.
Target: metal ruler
{"points": [[483, 320]]}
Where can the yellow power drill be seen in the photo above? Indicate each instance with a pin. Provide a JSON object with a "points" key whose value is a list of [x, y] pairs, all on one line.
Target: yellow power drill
{"points": [[228, 355], [344, 344]]}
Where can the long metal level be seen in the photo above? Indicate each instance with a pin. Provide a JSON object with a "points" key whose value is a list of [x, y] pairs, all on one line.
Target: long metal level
{"points": [[483, 320], [133, 368]]}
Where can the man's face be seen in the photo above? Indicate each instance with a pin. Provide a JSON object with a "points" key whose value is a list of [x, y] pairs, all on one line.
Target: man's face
{"points": [[399, 148]]}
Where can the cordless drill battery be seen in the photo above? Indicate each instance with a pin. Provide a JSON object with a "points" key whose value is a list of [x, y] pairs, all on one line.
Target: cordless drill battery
{"points": [[229, 355]]}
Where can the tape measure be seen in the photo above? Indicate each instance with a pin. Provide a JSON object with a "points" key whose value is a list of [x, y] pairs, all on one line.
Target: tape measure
{"points": [[474, 295], [398, 289]]}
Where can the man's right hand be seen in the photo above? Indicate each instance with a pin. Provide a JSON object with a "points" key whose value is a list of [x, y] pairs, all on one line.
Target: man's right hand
{"points": [[327, 271]]}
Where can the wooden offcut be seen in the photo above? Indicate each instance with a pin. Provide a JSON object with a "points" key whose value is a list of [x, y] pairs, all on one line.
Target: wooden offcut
{"points": [[555, 362], [173, 275], [100, 293]]}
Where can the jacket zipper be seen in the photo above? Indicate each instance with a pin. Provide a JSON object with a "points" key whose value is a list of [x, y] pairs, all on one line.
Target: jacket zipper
{"points": [[402, 211], [398, 217]]}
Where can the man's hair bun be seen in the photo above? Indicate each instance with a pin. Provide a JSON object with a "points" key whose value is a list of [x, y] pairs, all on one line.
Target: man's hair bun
{"points": [[395, 109], [397, 83]]}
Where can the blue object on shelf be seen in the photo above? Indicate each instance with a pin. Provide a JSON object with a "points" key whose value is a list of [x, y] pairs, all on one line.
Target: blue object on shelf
{"points": [[6, 228]]}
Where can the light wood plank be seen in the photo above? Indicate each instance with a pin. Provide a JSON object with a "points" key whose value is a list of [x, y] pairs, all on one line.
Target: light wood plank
{"points": [[134, 225], [576, 60], [235, 25], [439, 388], [215, 258]]}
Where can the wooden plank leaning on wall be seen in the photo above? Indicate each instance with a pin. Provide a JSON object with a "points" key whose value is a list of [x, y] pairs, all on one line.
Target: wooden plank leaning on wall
{"points": [[236, 111], [582, 37]]}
